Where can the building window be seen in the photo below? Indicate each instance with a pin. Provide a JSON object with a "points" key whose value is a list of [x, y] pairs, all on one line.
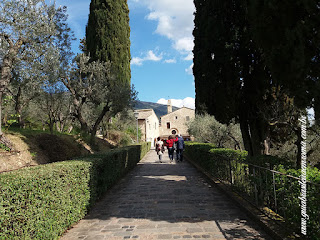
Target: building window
{"points": [[176, 117], [187, 118], [168, 125]]}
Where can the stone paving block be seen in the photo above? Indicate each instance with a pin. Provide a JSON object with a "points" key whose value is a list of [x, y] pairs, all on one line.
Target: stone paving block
{"points": [[111, 227], [122, 234], [168, 225], [186, 236], [194, 230], [146, 226], [95, 237], [165, 236]]}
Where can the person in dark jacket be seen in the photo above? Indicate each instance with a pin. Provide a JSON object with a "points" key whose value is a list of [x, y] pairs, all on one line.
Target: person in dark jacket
{"points": [[180, 148]]}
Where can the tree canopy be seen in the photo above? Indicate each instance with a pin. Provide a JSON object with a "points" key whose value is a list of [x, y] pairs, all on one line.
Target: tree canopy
{"points": [[254, 61], [108, 36], [28, 31]]}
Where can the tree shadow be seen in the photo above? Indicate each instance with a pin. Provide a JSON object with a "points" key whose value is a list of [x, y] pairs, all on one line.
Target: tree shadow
{"points": [[173, 193]]}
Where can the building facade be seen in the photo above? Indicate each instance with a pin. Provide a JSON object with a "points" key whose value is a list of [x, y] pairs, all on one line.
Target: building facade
{"points": [[170, 124], [176, 121], [149, 125]]}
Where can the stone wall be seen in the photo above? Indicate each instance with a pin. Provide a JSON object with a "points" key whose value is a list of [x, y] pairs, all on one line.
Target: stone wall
{"points": [[176, 121]]}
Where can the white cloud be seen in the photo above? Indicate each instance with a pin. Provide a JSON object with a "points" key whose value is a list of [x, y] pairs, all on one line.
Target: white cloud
{"points": [[150, 56], [175, 21], [189, 57], [188, 102], [170, 60], [162, 101], [136, 61], [189, 69], [184, 44]]}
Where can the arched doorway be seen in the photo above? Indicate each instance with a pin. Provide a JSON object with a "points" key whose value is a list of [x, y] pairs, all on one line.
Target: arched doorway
{"points": [[174, 131]]}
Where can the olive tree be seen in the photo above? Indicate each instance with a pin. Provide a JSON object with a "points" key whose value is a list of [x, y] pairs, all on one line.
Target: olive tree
{"points": [[27, 30], [95, 93], [206, 128]]}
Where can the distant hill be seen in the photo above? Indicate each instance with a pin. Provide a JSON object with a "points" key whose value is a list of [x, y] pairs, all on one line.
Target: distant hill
{"points": [[159, 109]]}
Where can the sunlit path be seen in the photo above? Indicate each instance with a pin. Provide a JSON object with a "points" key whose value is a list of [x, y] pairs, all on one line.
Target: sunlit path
{"points": [[164, 201]]}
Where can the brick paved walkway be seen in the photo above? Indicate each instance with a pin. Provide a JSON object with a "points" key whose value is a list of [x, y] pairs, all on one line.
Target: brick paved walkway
{"points": [[164, 201]]}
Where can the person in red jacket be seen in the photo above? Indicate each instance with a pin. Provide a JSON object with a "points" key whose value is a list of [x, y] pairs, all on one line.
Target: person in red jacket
{"points": [[170, 147]]}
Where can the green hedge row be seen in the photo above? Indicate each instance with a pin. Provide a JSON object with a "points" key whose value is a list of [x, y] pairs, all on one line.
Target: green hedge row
{"points": [[209, 157], [42, 202], [278, 192]]}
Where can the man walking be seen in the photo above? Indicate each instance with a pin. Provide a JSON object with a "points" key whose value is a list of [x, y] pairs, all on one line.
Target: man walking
{"points": [[180, 147]]}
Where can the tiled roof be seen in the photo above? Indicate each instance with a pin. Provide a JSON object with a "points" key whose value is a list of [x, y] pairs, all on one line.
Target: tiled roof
{"points": [[174, 112], [145, 113]]}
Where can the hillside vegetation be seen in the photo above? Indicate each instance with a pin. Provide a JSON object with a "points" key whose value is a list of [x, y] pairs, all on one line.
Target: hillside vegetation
{"points": [[35, 147]]}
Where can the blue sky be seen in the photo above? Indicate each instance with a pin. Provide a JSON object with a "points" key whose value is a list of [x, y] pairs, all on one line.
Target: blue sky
{"points": [[161, 47]]}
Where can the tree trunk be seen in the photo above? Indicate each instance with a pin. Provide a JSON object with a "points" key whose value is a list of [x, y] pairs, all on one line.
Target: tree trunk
{"points": [[237, 145], [98, 121], [266, 140], [1, 113], [77, 103], [51, 124], [244, 127], [256, 136], [70, 129], [78, 114], [6, 69], [58, 126], [18, 107]]}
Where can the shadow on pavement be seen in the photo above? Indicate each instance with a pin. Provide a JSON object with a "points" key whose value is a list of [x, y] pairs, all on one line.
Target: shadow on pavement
{"points": [[173, 193]]}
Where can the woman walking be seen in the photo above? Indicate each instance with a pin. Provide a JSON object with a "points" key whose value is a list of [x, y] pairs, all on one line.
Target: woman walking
{"points": [[170, 143], [159, 148]]}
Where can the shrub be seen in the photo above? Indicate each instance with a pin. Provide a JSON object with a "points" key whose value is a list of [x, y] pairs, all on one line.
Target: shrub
{"points": [[270, 161], [209, 157], [234, 167], [199, 152], [288, 193], [42, 202], [206, 128]]}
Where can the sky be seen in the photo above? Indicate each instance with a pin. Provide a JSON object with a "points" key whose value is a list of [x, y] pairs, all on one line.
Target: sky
{"points": [[161, 47]]}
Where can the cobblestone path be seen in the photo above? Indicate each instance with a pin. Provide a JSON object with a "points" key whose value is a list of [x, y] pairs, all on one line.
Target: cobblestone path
{"points": [[164, 201]]}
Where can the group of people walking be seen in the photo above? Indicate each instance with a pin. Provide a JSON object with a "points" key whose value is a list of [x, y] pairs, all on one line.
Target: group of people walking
{"points": [[174, 143]]}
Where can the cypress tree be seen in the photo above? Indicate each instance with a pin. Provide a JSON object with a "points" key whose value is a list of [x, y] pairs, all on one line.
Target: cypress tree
{"points": [[287, 33], [108, 36], [231, 77]]}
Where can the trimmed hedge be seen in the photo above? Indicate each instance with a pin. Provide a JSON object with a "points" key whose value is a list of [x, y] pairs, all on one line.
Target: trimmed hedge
{"points": [[234, 167], [210, 158], [42, 202]]}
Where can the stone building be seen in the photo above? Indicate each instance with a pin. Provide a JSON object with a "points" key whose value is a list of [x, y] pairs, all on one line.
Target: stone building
{"points": [[149, 125], [176, 121], [151, 128]]}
